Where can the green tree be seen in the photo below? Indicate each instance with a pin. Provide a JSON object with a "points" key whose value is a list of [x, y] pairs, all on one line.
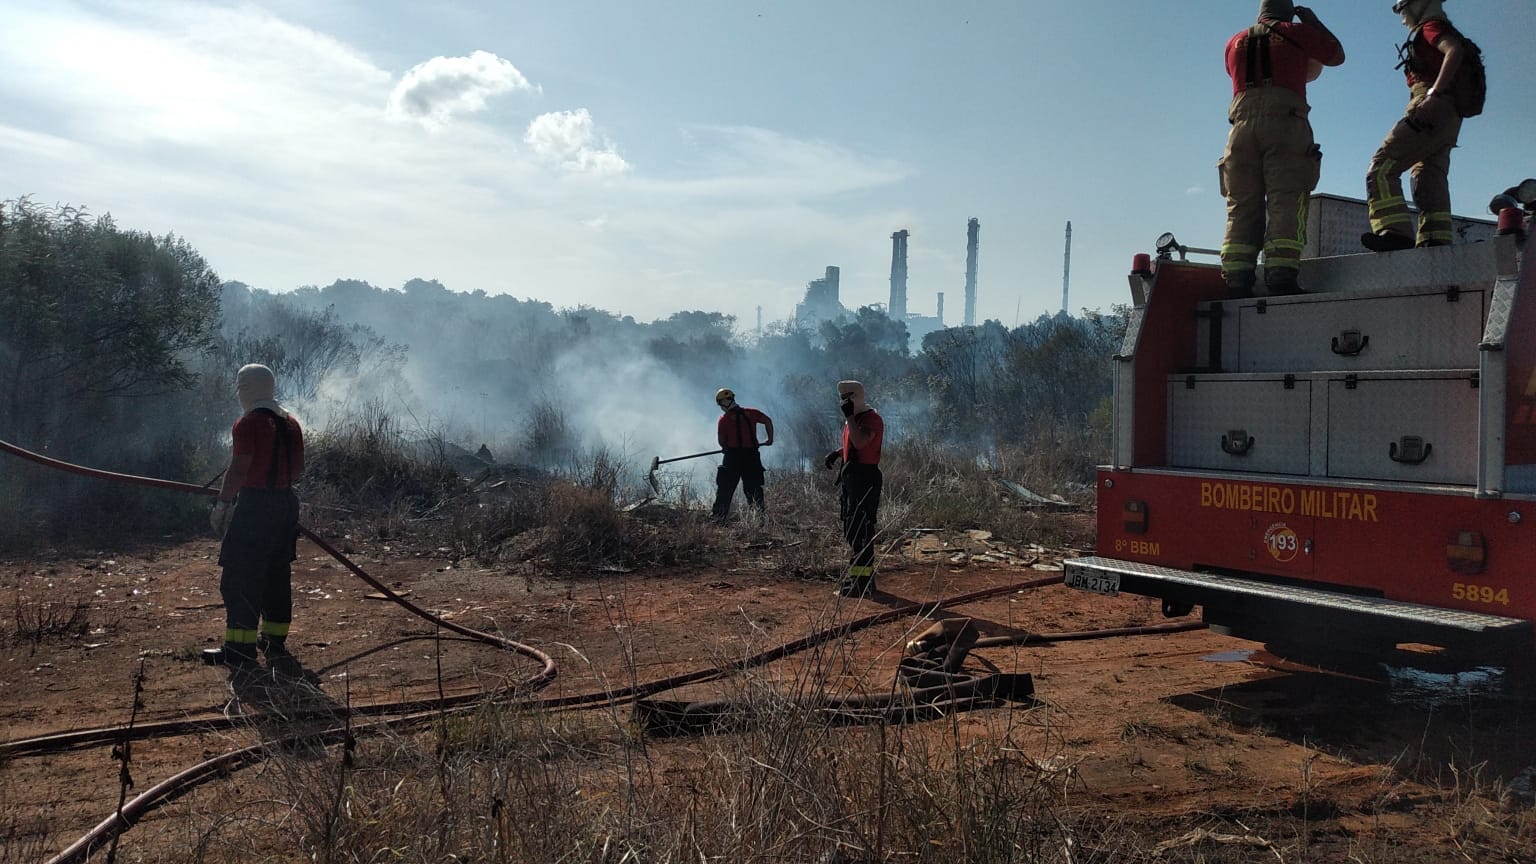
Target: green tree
{"points": [[91, 315]]}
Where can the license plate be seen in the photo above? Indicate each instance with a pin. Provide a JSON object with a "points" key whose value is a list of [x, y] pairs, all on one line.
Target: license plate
{"points": [[1096, 581]]}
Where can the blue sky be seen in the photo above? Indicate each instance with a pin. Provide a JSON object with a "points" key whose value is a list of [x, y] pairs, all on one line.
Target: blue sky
{"points": [[647, 157]]}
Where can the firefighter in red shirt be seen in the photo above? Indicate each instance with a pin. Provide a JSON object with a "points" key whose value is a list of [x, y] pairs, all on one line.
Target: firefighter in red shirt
{"points": [[257, 515], [737, 433], [861, 481], [1271, 163], [1421, 141]]}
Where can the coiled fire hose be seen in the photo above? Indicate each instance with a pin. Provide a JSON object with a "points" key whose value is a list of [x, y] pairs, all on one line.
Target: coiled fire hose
{"points": [[972, 692]]}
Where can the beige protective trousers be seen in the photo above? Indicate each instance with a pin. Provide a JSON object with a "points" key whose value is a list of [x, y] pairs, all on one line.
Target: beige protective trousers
{"points": [[1269, 169], [1423, 146]]}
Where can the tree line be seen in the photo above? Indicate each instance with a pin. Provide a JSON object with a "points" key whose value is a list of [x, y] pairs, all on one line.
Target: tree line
{"points": [[118, 348]]}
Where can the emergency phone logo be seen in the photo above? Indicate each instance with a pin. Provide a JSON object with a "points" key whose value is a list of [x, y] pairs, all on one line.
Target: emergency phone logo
{"points": [[1282, 542]]}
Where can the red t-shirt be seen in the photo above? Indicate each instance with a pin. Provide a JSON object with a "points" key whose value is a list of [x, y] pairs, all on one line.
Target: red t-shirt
{"points": [[253, 434], [869, 454], [1426, 56], [737, 428], [1287, 59]]}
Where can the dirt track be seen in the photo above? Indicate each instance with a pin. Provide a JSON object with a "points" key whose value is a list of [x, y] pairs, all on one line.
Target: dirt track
{"points": [[1274, 763]]}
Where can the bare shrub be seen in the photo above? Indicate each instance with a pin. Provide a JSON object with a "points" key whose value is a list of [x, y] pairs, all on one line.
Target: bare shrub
{"points": [[547, 437], [37, 621]]}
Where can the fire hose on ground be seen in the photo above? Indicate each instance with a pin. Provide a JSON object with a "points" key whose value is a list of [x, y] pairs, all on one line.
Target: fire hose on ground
{"points": [[953, 690]]}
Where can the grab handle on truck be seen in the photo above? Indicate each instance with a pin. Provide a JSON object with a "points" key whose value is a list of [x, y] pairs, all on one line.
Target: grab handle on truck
{"points": [[1237, 442], [1414, 450], [1350, 343]]}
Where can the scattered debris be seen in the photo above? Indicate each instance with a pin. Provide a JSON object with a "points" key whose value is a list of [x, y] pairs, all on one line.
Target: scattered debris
{"points": [[379, 595], [1032, 501], [961, 548], [1201, 836]]}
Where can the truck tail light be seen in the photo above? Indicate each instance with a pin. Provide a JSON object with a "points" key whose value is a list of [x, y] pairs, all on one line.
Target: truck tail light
{"points": [[1135, 516], [1466, 552]]}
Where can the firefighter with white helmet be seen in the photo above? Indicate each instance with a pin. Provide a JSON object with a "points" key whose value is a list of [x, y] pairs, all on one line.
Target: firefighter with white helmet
{"points": [[741, 463], [1438, 63], [1271, 163], [257, 518]]}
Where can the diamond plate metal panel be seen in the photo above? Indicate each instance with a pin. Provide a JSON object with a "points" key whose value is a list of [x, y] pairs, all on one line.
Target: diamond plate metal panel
{"points": [[1335, 223], [1417, 330], [1473, 265], [1277, 419], [1366, 421], [1500, 308]]}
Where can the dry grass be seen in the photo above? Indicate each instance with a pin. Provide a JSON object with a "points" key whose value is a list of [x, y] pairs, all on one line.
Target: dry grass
{"points": [[505, 784]]}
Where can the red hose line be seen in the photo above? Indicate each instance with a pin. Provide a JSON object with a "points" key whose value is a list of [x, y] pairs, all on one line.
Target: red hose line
{"points": [[131, 812], [544, 676]]}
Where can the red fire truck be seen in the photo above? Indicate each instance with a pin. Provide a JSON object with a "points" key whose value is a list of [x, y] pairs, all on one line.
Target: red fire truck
{"points": [[1347, 473]]}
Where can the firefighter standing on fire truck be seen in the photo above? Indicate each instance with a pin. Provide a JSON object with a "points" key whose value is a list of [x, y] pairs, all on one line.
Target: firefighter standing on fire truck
{"points": [[1271, 163], [1422, 140]]}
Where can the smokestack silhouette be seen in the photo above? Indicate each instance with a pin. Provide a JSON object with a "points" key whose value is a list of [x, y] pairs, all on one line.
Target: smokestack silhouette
{"points": [[1066, 268], [940, 314], [897, 309], [972, 237]]}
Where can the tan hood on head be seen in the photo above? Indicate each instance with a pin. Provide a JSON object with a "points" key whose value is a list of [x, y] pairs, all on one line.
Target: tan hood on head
{"points": [[257, 388], [854, 388]]}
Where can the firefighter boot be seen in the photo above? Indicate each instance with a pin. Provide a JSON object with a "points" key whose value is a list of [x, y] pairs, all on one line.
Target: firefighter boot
{"points": [[1239, 284], [1281, 281], [1386, 241], [272, 646], [230, 655], [860, 582]]}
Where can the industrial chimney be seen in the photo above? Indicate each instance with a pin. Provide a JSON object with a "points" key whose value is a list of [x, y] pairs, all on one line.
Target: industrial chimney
{"points": [[897, 310], [1066, 268], [940, 315], [972, 235]]}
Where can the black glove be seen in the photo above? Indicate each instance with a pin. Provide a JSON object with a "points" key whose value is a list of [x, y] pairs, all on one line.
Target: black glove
{"points": [[832, 458], [847, 407]]}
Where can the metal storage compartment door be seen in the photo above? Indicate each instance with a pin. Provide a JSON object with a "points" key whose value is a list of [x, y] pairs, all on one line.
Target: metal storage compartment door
{"points": [[1250, 423], [1329, 331], [1416, 427]]}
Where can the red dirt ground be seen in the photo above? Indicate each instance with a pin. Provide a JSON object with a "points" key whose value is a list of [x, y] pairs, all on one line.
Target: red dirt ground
{"points": [[1158, 728]]}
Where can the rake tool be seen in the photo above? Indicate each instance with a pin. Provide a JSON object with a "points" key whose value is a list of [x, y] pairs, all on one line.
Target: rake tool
{"points": [[657, 462]]}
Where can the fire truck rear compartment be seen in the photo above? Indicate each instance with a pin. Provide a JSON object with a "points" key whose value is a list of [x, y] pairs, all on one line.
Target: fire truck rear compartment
{"points": [[1336, 468]]}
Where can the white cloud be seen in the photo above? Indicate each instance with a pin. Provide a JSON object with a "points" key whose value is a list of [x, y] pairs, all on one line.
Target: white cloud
{"points": [[570, 140], [1194, 191], [434, 91], [272, 149]]}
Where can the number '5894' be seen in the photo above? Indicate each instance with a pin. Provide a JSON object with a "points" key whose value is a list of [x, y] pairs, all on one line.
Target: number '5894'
{"points": [[1479, 593]]}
